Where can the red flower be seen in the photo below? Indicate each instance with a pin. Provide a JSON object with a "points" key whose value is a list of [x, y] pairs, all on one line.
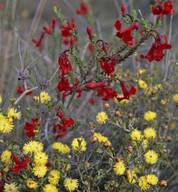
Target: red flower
{"points": [[90, 33], [64, 64], [66, 29], [79, 91], [30, 127], [83, 9], [126, 93], [62, 129], [39, 42], [108, 65], [51, 27], [93, 85], [126, 34], [19, 164], [123, 9], [21, 89], [165, 9], [64, 85], [155, 53], [106, 92]]}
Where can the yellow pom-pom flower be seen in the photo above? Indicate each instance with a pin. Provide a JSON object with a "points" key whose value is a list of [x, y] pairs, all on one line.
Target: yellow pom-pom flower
{"points": [[6, 157], [6, 126], [131, 176], [10, 187], [102, 117], [175, 98], [13, 114], [136, 135], [152, 179], [40, 171], [44, 97], [40, 158], [33, 147], [100, 137], [149, 133], [149, 116], [32, 184], [148, 91], [119, 168], [54, 177], [62, 148], [143, 184], [158, 87], [79, 144], [142, 84], [70, 184], [151, 157], [50, 188]]}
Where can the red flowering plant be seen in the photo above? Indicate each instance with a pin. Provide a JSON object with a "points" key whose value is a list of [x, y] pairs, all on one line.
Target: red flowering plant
{"points": [[74, 79]]}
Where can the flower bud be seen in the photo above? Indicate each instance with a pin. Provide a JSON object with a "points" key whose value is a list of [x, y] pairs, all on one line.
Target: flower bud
{"points": [[117, 113], [163, 183], [93, 139], [123, 9], [165, 127], [130, 149], [106, 106], [130, 115], [91, 124], [163, 102], [107, 144], [89, 31], [69, 157], [88, 165], [168, 138]]}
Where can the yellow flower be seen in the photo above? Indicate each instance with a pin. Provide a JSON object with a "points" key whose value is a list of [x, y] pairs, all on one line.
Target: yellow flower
{"points": [[54, 177], [136, 135], [142, 182], [131, 176], [175, 98], [158, 87], [142, 84], [40, 171], [0, 99], [45, 97], [149, 133], [6, 157], [102, 117], [152, 179], [10, 187], [119, 168], [124, 101], [100, 137], [141, 72], [151, 157], [148, 91], [79, 144], [40, 158], [70, 184], [33, 147], [149, 116], [62, 148], [50, 188], [12, 113], [5, 125], [31, 184], [145, 144]]}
